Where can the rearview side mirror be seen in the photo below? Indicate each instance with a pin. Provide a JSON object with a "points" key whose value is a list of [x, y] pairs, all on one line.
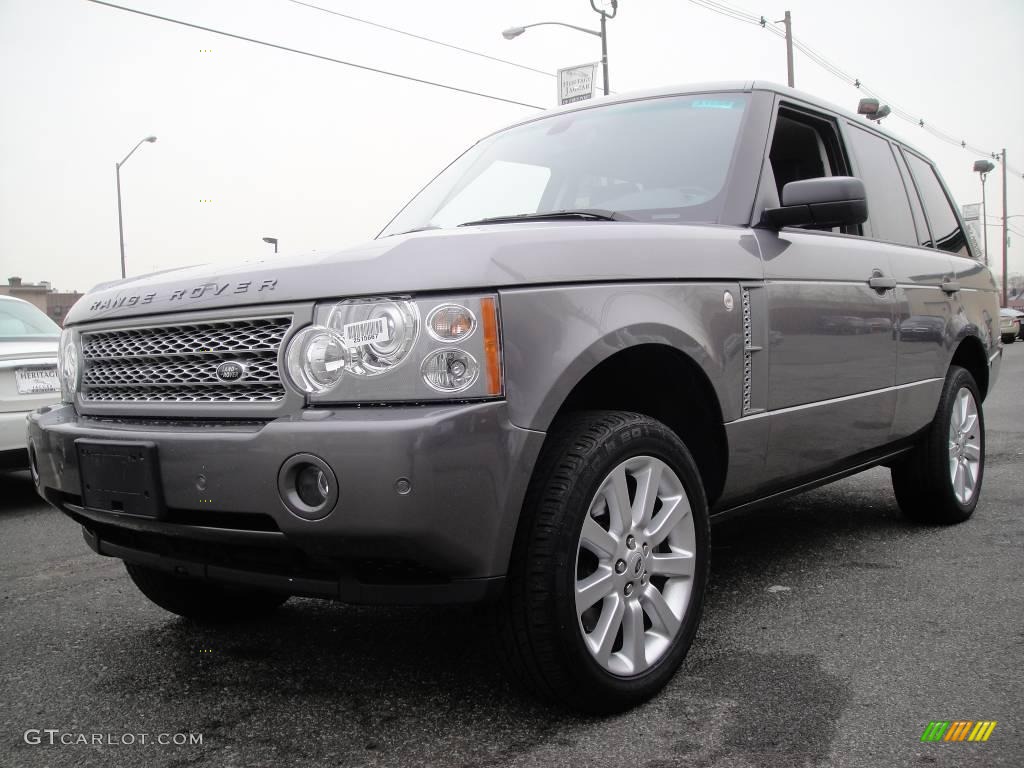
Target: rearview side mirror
{"points": [[829, 201]]}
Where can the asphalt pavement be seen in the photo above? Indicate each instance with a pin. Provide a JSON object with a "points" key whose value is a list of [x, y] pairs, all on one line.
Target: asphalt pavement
{"points": [[834, 633]]}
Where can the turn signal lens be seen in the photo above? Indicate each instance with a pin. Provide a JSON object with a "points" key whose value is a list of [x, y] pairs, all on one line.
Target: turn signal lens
{"points": [[492, 345], [451, 322]]}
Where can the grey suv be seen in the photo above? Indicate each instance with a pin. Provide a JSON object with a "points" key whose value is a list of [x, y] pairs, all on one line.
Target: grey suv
{"points": [[592, 334]]}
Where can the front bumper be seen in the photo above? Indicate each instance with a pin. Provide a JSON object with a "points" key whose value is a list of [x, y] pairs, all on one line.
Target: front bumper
{"points": [[13, 454], [448, 538]]}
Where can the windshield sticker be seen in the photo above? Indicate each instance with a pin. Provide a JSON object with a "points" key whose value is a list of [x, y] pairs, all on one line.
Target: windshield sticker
{"points": [[714, 104]]}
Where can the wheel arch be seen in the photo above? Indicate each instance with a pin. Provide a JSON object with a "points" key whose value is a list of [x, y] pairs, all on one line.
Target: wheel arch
{"points": [[970, 354], [682, 397]]}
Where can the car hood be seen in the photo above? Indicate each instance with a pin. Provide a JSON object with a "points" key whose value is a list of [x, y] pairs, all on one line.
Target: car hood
{"points": [[29, 348], [481, 257]]}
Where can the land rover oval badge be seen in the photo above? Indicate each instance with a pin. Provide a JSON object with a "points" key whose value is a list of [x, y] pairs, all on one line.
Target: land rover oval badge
{"points": [[231, 370]]}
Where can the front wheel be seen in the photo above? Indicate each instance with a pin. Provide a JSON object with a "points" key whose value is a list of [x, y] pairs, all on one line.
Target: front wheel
{"points": [[203, 601], [940, 481], [610, 564]]}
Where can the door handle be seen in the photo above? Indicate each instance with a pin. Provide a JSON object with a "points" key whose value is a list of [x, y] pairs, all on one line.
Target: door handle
{"points": [[880, 283], [950, 286]]}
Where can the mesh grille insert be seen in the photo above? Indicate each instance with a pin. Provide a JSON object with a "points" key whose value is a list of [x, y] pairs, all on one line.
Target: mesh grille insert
{"points": [[178, 363]]}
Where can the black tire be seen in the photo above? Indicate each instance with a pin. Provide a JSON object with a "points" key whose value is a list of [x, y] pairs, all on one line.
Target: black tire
{"points": [[538, 629], [203, 601], [1008, 338], [922, 481]]}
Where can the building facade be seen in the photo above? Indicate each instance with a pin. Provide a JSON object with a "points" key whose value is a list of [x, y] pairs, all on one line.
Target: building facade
{"points": [[44, 296]]}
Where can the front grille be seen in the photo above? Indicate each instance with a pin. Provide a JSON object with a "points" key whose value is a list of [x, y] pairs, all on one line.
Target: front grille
{"points": [[178, 363]]}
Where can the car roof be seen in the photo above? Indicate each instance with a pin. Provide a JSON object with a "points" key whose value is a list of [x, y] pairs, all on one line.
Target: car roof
{"points": [[746, 86], [5, 297]]}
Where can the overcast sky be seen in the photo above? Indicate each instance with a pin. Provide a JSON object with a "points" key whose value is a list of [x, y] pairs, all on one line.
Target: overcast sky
{"points": [[321, 155]]}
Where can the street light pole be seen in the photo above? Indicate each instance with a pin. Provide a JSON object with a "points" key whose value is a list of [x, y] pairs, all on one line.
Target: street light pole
{"points": [[514, 32], [120, 220], [789, 49], [984, 211], [604, 52], [604, 37], [983, 168], [272, 241]]}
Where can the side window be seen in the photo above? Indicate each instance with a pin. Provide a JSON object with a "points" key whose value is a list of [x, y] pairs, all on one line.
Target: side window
{"points": [[889, 214], [915, 202], [946, 232], [806, 146]]}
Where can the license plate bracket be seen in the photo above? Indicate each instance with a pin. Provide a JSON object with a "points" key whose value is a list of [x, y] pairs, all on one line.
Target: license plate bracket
{"points": [[122, 477], [37, 379]]}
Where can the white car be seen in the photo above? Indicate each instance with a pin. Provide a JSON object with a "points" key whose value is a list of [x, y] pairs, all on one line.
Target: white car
{"points": [[1009, 325], [28, 373]]}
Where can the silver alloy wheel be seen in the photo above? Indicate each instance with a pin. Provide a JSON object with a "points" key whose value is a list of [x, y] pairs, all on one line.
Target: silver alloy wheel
{"points": [[964, 446], [634, 565]]}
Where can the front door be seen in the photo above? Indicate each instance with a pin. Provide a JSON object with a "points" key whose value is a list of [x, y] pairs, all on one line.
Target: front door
{"points": [[831, 315]]}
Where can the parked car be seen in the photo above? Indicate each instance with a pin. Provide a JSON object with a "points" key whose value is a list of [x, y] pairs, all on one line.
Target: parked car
{"points": [[593, 333], [28, 373], [1013, 313], [1010, 325]]}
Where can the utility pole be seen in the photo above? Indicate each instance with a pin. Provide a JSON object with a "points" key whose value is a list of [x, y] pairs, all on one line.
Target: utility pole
{"points": [[1006, 233], [789, 49]]}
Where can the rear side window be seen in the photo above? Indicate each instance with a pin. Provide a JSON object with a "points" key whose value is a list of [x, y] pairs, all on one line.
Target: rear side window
{"points": [[915, 201], [947, 234], [889, 213]]}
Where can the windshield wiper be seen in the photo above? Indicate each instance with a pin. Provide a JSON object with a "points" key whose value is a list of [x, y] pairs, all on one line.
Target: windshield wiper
{"points": [[587, 214], [410, 231]]}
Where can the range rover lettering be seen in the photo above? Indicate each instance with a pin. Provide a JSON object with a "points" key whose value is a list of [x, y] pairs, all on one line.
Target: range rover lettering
{"points": [[589, 336]]}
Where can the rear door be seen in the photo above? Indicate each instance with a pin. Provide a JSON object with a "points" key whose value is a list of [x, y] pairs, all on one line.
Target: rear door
{"points": [[922, 274], [832, 349]]}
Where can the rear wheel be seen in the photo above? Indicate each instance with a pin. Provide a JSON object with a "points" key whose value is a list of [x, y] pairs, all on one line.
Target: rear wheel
{"points": [[610, 564], [941, 480], [200, 600], [1008, 338]]}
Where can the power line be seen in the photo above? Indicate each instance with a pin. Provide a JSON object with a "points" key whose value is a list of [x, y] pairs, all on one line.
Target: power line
{"points": [[423, 38], [729, 11], [318, 56]]}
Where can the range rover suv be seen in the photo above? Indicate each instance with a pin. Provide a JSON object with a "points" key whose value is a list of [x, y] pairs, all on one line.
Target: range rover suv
{"points": [[592, 334]]}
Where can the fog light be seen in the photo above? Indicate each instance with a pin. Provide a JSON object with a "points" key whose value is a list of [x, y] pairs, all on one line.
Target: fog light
{"points": [[307, 486], [312, 485]]}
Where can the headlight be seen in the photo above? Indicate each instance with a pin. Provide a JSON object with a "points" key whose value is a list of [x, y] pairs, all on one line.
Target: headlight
{"points": [[379, 350], [68, 366]]}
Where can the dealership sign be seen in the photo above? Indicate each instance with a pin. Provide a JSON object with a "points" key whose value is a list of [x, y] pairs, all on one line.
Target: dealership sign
{"points": [[576, 83]]}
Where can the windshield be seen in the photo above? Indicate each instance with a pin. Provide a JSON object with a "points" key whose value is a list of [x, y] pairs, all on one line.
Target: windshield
{"points": [[19, 320], [662, 160]]}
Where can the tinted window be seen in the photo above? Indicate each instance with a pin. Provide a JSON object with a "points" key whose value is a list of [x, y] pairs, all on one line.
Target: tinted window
{"points": [[948, 236], [915, 202], [662, 160], [888, 208]]}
